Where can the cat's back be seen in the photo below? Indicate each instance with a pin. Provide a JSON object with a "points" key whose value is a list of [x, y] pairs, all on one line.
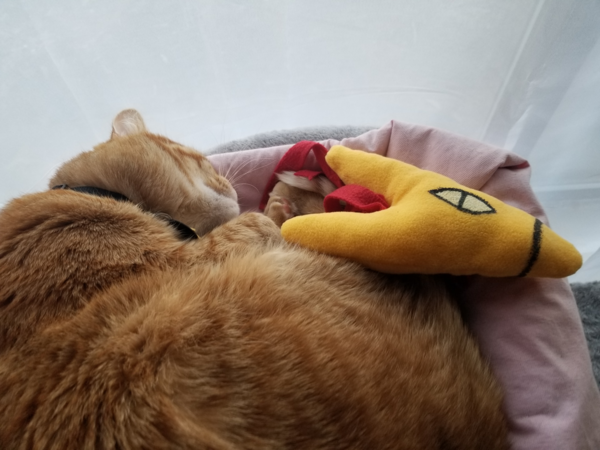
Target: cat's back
{"points": [[243, 353], [59, 248]]}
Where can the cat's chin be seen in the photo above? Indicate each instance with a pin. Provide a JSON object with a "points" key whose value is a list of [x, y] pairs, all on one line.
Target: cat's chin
{"points": [[230, 208], [222, 211]]}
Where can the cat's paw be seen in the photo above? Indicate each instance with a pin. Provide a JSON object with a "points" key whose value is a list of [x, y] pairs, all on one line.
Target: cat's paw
{"points": [[278, 209], [258, 227]]}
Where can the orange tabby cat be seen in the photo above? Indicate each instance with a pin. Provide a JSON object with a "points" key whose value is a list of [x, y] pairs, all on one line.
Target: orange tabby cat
{"points": [[117, 333]]}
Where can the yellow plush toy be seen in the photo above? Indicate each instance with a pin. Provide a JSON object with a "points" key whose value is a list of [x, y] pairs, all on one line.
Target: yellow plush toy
{"points": [[434, 225]]}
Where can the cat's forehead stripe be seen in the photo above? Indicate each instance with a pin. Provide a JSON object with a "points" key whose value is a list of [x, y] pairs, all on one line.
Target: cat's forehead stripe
{"points": [[167, 143], [179, 154]]}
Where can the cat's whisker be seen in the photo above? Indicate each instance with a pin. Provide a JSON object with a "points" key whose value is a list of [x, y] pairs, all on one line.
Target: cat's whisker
{"points": [[238, 168], [237, 173], [226, 174], [235, 186], [231, 168], [231, 173], [250, 170], [219, 171]]}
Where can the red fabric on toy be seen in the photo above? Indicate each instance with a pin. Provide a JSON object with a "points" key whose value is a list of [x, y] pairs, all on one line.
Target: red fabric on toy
{"points": [[354, 198], [294, 160], [310, 174], [351, 198]]}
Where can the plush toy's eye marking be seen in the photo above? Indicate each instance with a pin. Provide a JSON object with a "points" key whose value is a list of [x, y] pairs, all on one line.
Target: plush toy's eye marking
{"points": [[463, 201]]}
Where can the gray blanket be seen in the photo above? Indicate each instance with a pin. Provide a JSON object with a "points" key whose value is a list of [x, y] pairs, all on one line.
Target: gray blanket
{"points": [[586, 294], [588, 301]]}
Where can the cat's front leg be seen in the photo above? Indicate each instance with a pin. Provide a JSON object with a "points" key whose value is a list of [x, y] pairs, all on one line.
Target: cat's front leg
{"points": [[254, 229], [246, 232]]}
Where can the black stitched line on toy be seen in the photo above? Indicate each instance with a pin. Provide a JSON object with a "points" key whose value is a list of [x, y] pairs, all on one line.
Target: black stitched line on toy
{"points": [[461, 201], [535, 248], [464, 195]]}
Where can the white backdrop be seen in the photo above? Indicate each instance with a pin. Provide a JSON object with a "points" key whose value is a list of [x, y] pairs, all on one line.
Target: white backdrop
{"points": [[521, 74]]}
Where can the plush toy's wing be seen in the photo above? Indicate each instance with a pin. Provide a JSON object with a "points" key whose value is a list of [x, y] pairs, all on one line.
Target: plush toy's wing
{"points": [[434, 225]]}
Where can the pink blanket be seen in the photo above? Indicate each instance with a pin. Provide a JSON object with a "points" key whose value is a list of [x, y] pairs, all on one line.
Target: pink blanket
{"points": [[529, 328]]}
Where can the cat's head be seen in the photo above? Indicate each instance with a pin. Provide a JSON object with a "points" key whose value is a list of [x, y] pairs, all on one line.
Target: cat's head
{"points": [[159, 175]]}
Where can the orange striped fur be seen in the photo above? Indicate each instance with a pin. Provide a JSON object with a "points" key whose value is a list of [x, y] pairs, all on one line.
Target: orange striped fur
{"points": [[116, 334]]}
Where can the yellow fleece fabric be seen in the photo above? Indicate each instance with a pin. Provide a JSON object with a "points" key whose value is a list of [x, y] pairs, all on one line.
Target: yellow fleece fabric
{"points": [[433, 225]]}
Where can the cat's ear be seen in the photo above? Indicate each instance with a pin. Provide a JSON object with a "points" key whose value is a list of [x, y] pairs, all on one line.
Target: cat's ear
{"points": [[127, 122]]}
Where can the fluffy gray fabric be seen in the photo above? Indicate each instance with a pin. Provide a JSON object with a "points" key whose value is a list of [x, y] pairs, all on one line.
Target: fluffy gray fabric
{"points": [[275, 138], [588, 301], [586, 294]]}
